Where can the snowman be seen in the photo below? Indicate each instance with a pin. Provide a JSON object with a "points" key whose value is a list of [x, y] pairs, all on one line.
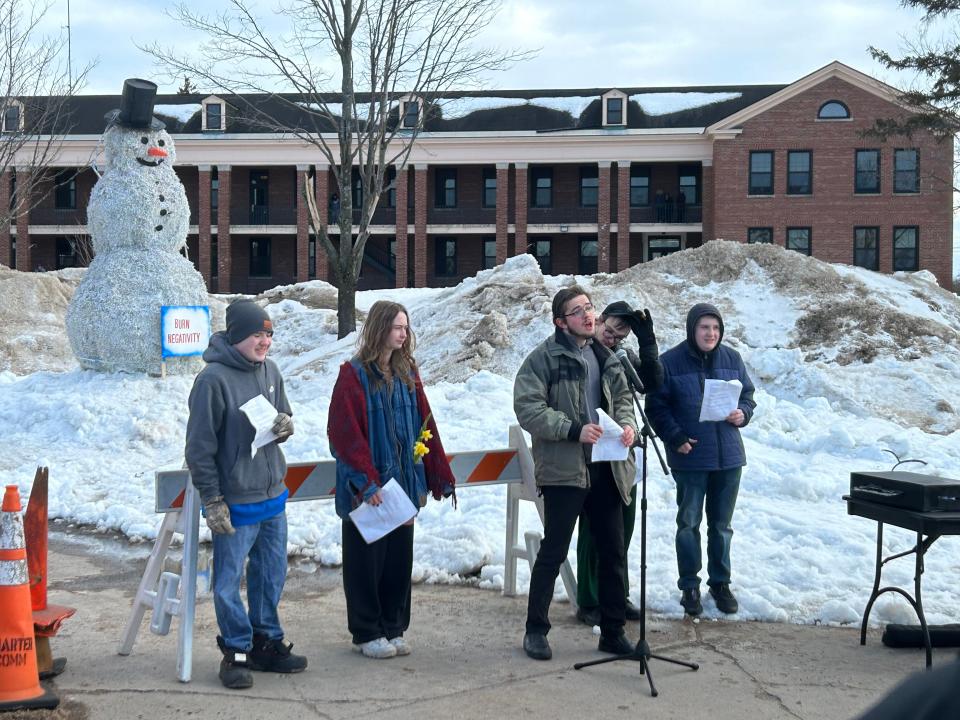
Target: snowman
{"points": [[138, 218]]}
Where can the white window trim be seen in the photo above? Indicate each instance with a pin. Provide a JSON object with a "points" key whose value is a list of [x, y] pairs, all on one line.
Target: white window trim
{"points": [[4, 104], [614, 94], [403, 111], [213, 100]]}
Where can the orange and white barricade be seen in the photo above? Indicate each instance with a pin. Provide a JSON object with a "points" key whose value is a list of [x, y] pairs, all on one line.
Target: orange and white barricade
{"points": [[19, 683], [170, 595]]}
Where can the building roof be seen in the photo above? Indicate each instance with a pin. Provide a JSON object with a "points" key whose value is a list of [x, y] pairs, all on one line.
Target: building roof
{"points": [[460, 112]]}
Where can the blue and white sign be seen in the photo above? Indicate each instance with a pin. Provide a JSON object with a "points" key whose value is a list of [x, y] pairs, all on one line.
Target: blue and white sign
{"points": [[184, 330]]}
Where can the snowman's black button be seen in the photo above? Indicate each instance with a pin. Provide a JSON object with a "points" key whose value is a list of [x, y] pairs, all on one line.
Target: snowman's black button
{"points": [[162, 198], [158, 228], [163, 212]]}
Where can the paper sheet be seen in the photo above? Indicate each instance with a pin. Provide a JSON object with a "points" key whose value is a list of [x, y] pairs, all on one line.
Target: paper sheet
{"points": [[394, 510], [261, 415], [609, 446], [720, 398], [638, 456]]}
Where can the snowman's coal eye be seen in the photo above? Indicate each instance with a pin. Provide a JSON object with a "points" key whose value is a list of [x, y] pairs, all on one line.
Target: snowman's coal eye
{"points": [[161, 143], [144, 140]]}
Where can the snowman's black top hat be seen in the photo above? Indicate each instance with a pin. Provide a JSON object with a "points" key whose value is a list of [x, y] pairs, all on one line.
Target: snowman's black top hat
{"points": [[136, 106]]}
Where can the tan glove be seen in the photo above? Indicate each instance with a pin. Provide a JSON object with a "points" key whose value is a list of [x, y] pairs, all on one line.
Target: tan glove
{"points": [[282, 427], [218, 517]]}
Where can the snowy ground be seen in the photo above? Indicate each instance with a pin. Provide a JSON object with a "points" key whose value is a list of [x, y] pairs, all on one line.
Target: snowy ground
{"points": [[848, 363]]}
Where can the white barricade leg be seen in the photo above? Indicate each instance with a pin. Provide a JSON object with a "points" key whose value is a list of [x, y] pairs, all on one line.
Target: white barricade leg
{"points": [[513, 551], [188, 584], [147, 590]]}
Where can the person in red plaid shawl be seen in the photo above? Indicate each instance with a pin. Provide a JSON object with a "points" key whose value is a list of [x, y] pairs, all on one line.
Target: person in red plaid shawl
{"points": [[380, 427]]}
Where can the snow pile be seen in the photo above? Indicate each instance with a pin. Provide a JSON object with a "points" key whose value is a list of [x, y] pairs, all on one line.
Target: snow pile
{"points": [[665, 103], [848, 364]]}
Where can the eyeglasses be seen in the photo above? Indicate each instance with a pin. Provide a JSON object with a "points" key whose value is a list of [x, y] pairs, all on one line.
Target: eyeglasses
{"points": [[580, 311], [610, 332]]}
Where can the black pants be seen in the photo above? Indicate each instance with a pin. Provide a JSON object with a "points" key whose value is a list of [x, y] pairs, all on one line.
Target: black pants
{"points": [[376, 583], [603, 504]]}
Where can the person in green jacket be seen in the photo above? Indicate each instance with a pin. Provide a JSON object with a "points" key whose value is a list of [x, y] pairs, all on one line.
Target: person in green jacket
{"points": [[612, 328], [556, 395]]}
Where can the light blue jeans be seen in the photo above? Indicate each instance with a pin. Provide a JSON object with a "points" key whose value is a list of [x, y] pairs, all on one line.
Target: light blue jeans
{"points": [[265, 544], [719, 488]]}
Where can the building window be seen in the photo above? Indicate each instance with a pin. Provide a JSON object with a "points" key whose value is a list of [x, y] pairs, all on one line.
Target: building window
{"points": [[392, 248], [12, 117], [65, 192], [214, 191], [833, 110], [312, 256], [589, 186], [260, 257], [660, 246], [639, 186], [259, 197], [446, 257], [356, 190], [906, 171], [411, 114], [489, 199], [543, 252], [761, 173], [906, 249], [587, 261], [799, 172], [867, 178], [798, 238], [615, 111], [214, 112], [541, 184], [761, 235], [66, 253], [390, 182], [489, 253], [445, 188], [866, 241], [689, 186]]}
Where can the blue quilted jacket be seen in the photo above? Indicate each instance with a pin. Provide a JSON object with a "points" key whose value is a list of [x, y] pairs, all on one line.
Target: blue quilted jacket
{"points": [[674, 409]]}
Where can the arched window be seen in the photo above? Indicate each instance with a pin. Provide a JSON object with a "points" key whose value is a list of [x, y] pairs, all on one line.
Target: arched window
{"points": [[833, 110]]}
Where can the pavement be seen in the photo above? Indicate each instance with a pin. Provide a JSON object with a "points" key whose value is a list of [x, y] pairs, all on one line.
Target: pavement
{"points": [[466, 663]]}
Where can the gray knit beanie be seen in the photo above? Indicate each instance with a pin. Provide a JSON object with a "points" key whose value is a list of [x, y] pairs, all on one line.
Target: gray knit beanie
{"points": [[244, 318]]}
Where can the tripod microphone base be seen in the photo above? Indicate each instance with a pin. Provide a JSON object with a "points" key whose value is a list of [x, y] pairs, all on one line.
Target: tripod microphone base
{"points": [[641, 653]]}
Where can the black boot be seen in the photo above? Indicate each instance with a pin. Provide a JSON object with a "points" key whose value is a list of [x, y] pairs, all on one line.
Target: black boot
{"points": [[234, 668], [726, 602], [690, 599], [275, 656]]}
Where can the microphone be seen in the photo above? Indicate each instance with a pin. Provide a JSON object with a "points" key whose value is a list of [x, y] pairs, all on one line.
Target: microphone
{"points": [[628, 369]]}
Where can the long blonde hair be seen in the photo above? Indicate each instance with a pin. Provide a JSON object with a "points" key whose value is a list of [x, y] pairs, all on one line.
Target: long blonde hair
{"points": [[373, 336]]}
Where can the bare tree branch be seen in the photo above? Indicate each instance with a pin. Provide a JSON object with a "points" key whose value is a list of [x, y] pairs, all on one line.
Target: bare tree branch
{"points": [[333, 79], [35, 90]]}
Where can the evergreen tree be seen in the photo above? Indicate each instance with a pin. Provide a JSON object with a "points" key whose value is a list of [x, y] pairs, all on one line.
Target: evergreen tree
{"points": [[187, 88], [936, 64]]}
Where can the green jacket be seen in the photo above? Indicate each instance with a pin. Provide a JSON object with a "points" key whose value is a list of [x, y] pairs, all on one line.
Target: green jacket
{"points": [[548, 398]]}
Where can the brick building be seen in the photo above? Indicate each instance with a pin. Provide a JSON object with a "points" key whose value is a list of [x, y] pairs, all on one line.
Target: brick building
{"points": [[584, 180]]}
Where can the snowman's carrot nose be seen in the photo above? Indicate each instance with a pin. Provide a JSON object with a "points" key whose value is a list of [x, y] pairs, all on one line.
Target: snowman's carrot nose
{"points": [[156, 152]]}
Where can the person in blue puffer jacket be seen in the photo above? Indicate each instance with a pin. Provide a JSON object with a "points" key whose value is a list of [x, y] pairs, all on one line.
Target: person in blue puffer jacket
{"points": [[706, 458]]}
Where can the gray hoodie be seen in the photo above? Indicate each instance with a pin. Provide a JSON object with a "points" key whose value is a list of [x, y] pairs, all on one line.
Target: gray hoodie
{"points": [[219, 435]]}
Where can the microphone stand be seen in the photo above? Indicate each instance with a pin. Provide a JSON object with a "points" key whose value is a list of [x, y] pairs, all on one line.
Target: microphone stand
{"points": [[641, 652]]}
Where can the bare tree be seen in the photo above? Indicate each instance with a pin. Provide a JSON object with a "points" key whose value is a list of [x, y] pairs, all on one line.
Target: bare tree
{"points": [[332, 77], [36, 85]]}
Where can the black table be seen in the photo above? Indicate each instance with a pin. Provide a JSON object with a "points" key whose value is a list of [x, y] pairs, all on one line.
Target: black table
{"points": [[929, 526]]}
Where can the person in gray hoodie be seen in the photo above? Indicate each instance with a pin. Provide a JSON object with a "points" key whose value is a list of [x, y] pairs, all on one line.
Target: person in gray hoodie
{"points": [[243, 493]]}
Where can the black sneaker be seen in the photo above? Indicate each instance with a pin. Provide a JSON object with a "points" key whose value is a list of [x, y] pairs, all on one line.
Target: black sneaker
{"points": [[536, 646], [234, 668], [690, 599], [275, 656], [726, 602], [589, 615], [632, 611], [616, 645]]}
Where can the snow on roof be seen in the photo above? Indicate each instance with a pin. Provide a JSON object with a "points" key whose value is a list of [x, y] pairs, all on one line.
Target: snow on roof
{"points": [[573, 104], [181, 112], [461, 107], [666, 103]]}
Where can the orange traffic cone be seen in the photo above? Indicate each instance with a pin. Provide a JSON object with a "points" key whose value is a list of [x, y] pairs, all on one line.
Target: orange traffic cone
{"points": [[19, 687]]}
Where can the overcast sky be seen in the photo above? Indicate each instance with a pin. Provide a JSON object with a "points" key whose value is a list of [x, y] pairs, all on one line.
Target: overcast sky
{"points": [[581, 44]]}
